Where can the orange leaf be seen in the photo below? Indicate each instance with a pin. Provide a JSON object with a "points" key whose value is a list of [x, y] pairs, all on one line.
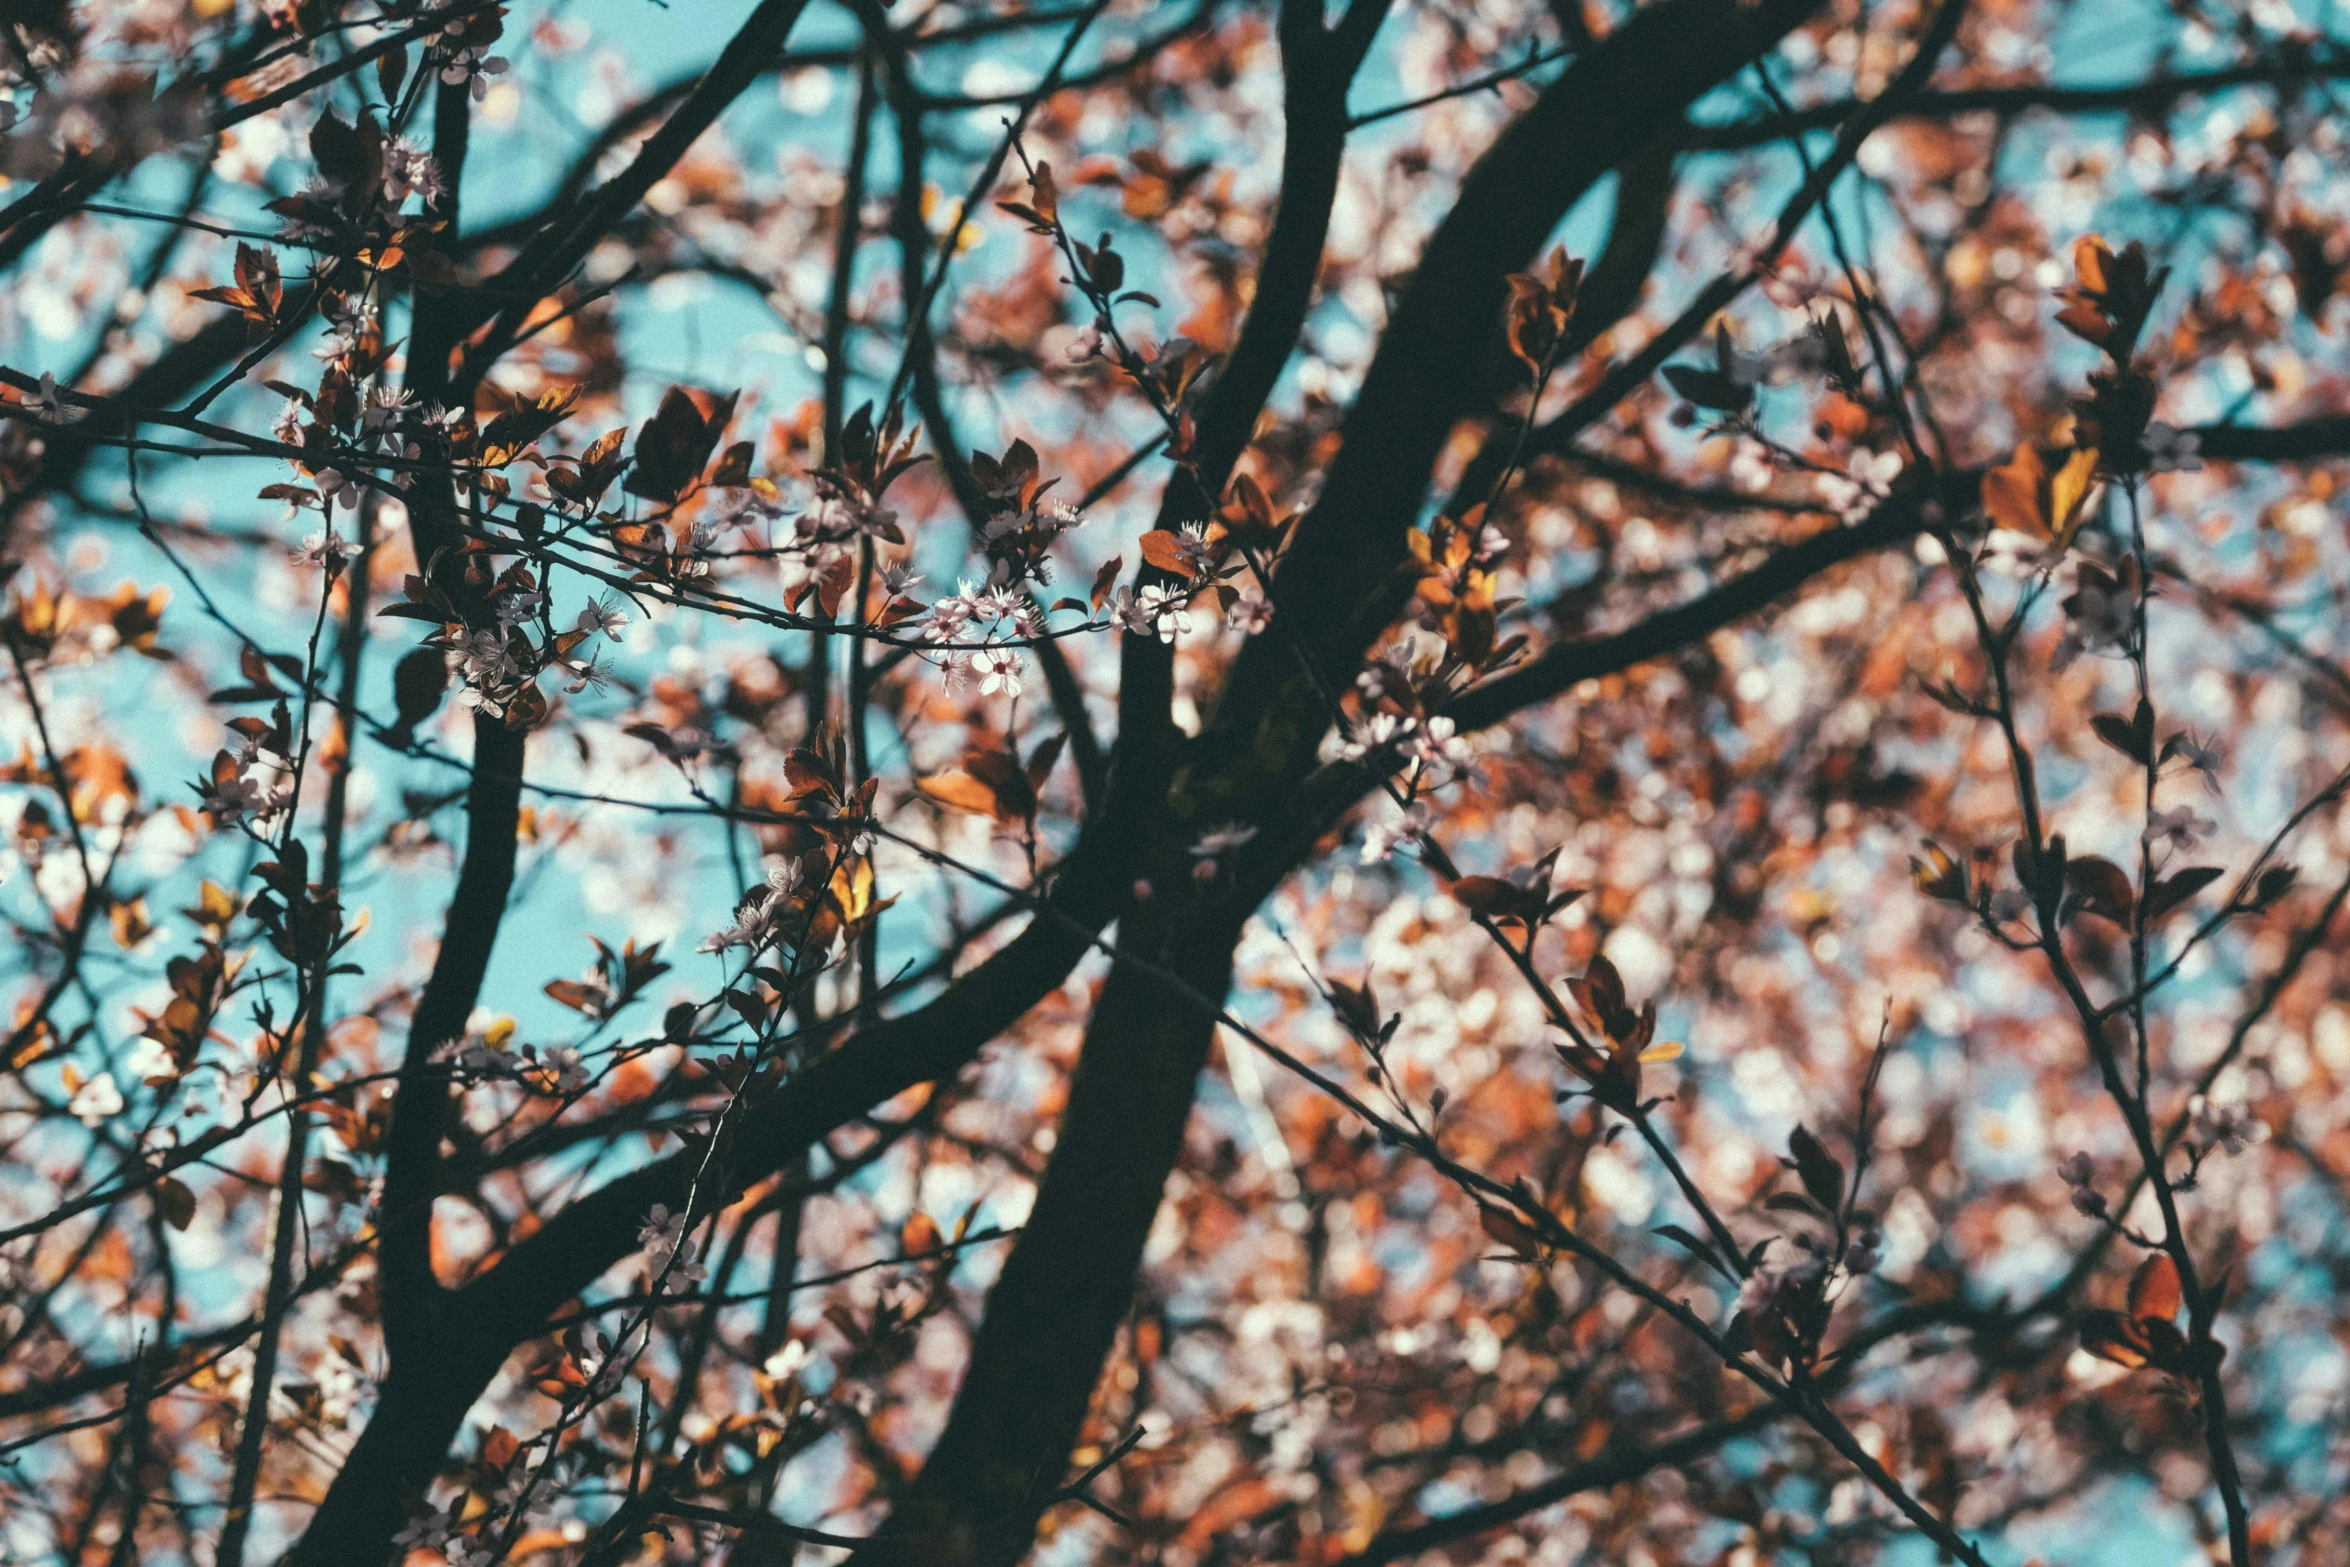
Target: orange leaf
{"points": [[959, 791], [2154, 1288], [1162, 550], [2022, 496], [2093, 263], [2011, 492], [2111, 1336], [1505, 1228], [2068, 494]]}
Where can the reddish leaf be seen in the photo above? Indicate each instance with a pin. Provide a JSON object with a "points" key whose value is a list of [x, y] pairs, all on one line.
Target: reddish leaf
{"points": [[2154, 1288]]}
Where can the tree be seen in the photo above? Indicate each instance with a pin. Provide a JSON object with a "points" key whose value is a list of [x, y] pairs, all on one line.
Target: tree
{"points": [[1624, 840]]}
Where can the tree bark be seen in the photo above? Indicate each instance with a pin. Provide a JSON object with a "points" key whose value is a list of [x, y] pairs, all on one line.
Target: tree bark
{"points": [[1053, 1316]]}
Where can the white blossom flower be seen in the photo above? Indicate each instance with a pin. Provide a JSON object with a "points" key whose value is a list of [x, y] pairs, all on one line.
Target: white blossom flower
{"points": [[2232, 1127], [1760, 1292], [1217, 841], [1192, 544], [386, 408], [569, 1072], [661, 1232], [519, 606], [602, 614], [326, 549], [1249, 614], [1411, 825], [1168, 613], [2200, 755], [149, 1059], [2170, 450], [50, 405], [1769, 1281], [468, 1551], [586, 675], [751, 928], [2179, 828], [1132, 612], [998, 669], [1868, 478], [241, 795], [337, 488], [425, 1531], [1373, 734], [683, 1275], [96, 1100], [1436, 744], [472, 68], [2099, 617], [409, 170]]}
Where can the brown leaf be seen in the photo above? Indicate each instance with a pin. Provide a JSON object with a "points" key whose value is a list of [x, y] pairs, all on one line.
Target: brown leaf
{"points": [[2102, 887], [1482, 894], [1939, 876], [175, 1202], [1821, 1173], [1015, 798], [1106, 579], [675, 443], [1162, 549], [2133, 737], [2023, 496], [2170, 893], [1505, 1228], [2111, 1336], [578, 997]]}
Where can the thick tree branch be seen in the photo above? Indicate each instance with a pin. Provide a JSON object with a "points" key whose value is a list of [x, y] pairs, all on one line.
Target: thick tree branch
{"points": [[480, 1324], [1055, 1311], [547, 260], [2139, 99], [1054, 1314], [1618, 96], [1616, 1468]]}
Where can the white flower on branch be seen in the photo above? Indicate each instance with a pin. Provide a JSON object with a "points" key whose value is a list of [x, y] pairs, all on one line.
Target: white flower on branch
{"points": [[2179, 828], [327, 549], [2231, 1127], [96, 1100], [604, 615], [997, 669], [472, 69], [2170, 450]]}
